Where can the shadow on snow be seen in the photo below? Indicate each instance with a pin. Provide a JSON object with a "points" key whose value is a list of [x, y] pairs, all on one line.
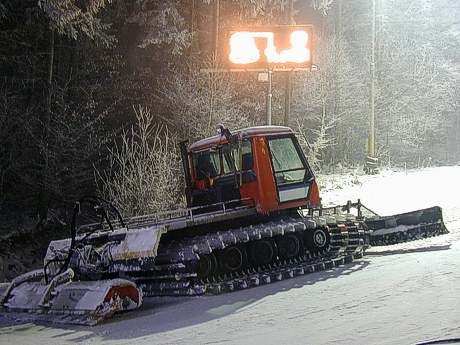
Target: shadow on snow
{"points": [[163, 314], [410, 250]]}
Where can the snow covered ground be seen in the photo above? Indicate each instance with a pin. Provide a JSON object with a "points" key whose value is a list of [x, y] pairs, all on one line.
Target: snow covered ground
{"points": [[400, 294]]}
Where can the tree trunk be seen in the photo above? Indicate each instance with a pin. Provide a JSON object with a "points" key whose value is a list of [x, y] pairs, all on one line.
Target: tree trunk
{"points": [[43, 202], [50, 77]]}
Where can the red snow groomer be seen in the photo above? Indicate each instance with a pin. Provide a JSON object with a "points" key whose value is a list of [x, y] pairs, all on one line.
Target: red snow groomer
{"points": [[253, 217]]}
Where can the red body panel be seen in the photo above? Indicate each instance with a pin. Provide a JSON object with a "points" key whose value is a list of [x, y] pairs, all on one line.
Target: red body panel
{"points": [[263, 190], [266, 198]]}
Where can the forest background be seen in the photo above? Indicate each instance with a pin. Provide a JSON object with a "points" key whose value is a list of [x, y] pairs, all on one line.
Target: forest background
{"points": [[96, 94]]}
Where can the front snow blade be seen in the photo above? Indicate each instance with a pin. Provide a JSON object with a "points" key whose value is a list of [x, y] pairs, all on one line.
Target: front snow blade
{"points": [[406, 227], [65, 301]]}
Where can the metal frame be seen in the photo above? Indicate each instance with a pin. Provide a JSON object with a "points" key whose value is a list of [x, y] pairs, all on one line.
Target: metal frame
{"points": [[182, 218], [274, 69]]}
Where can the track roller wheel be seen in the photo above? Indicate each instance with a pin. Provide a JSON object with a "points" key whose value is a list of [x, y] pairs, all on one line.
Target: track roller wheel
{"points": [[289, 246], [233, 259], [262, 252], [207, 266], [317, 239]]}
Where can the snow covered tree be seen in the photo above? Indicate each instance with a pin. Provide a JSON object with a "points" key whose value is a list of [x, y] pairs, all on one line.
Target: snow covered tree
{"points": [[77, 18], [414, 82], [143, 175], [328, 104], [202, 100]]}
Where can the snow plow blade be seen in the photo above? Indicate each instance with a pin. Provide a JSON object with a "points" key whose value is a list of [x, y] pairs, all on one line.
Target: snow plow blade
{"points": [[406, 227], [62, 300]]}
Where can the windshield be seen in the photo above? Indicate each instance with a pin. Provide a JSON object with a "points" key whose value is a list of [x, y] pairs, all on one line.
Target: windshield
{"points": [[287, 164]]}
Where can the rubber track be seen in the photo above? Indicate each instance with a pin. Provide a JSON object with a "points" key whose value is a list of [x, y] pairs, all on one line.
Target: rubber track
{"points": [[244, 281], [344, 248], [347, 241]]}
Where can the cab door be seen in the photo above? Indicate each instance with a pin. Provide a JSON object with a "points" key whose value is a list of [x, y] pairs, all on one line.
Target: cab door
{"points": [[292, 174]]}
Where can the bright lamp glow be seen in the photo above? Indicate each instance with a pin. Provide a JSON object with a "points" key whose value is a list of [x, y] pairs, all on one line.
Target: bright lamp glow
{"points": [[243, 48]]}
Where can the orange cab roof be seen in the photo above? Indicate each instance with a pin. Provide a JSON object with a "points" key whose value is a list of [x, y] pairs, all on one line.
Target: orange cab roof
{"points": [[246, 132]]}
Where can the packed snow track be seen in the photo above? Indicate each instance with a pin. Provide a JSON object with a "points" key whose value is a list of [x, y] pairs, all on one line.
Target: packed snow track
{"points": [[401, 294]]}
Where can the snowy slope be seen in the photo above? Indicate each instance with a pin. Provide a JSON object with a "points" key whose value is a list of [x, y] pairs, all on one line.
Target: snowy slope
{"points": [[399, 294]]}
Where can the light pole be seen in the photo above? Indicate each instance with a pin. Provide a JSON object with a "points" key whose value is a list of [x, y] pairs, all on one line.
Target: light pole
{"points": [[216, 27], [269, 97], [371, 159], [372, 105], [288, 87]]}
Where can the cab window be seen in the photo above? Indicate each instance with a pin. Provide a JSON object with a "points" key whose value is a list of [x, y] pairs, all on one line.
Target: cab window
{"points": [[287, 163], [228, 161], [222, 161], [246, 156], [207, 164]]}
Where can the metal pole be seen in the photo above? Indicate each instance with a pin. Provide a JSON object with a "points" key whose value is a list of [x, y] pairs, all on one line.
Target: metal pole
{"points": [[337, 70], [216, 27], [269, 98], [371, 152], [288, 86], [215, 60]]}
